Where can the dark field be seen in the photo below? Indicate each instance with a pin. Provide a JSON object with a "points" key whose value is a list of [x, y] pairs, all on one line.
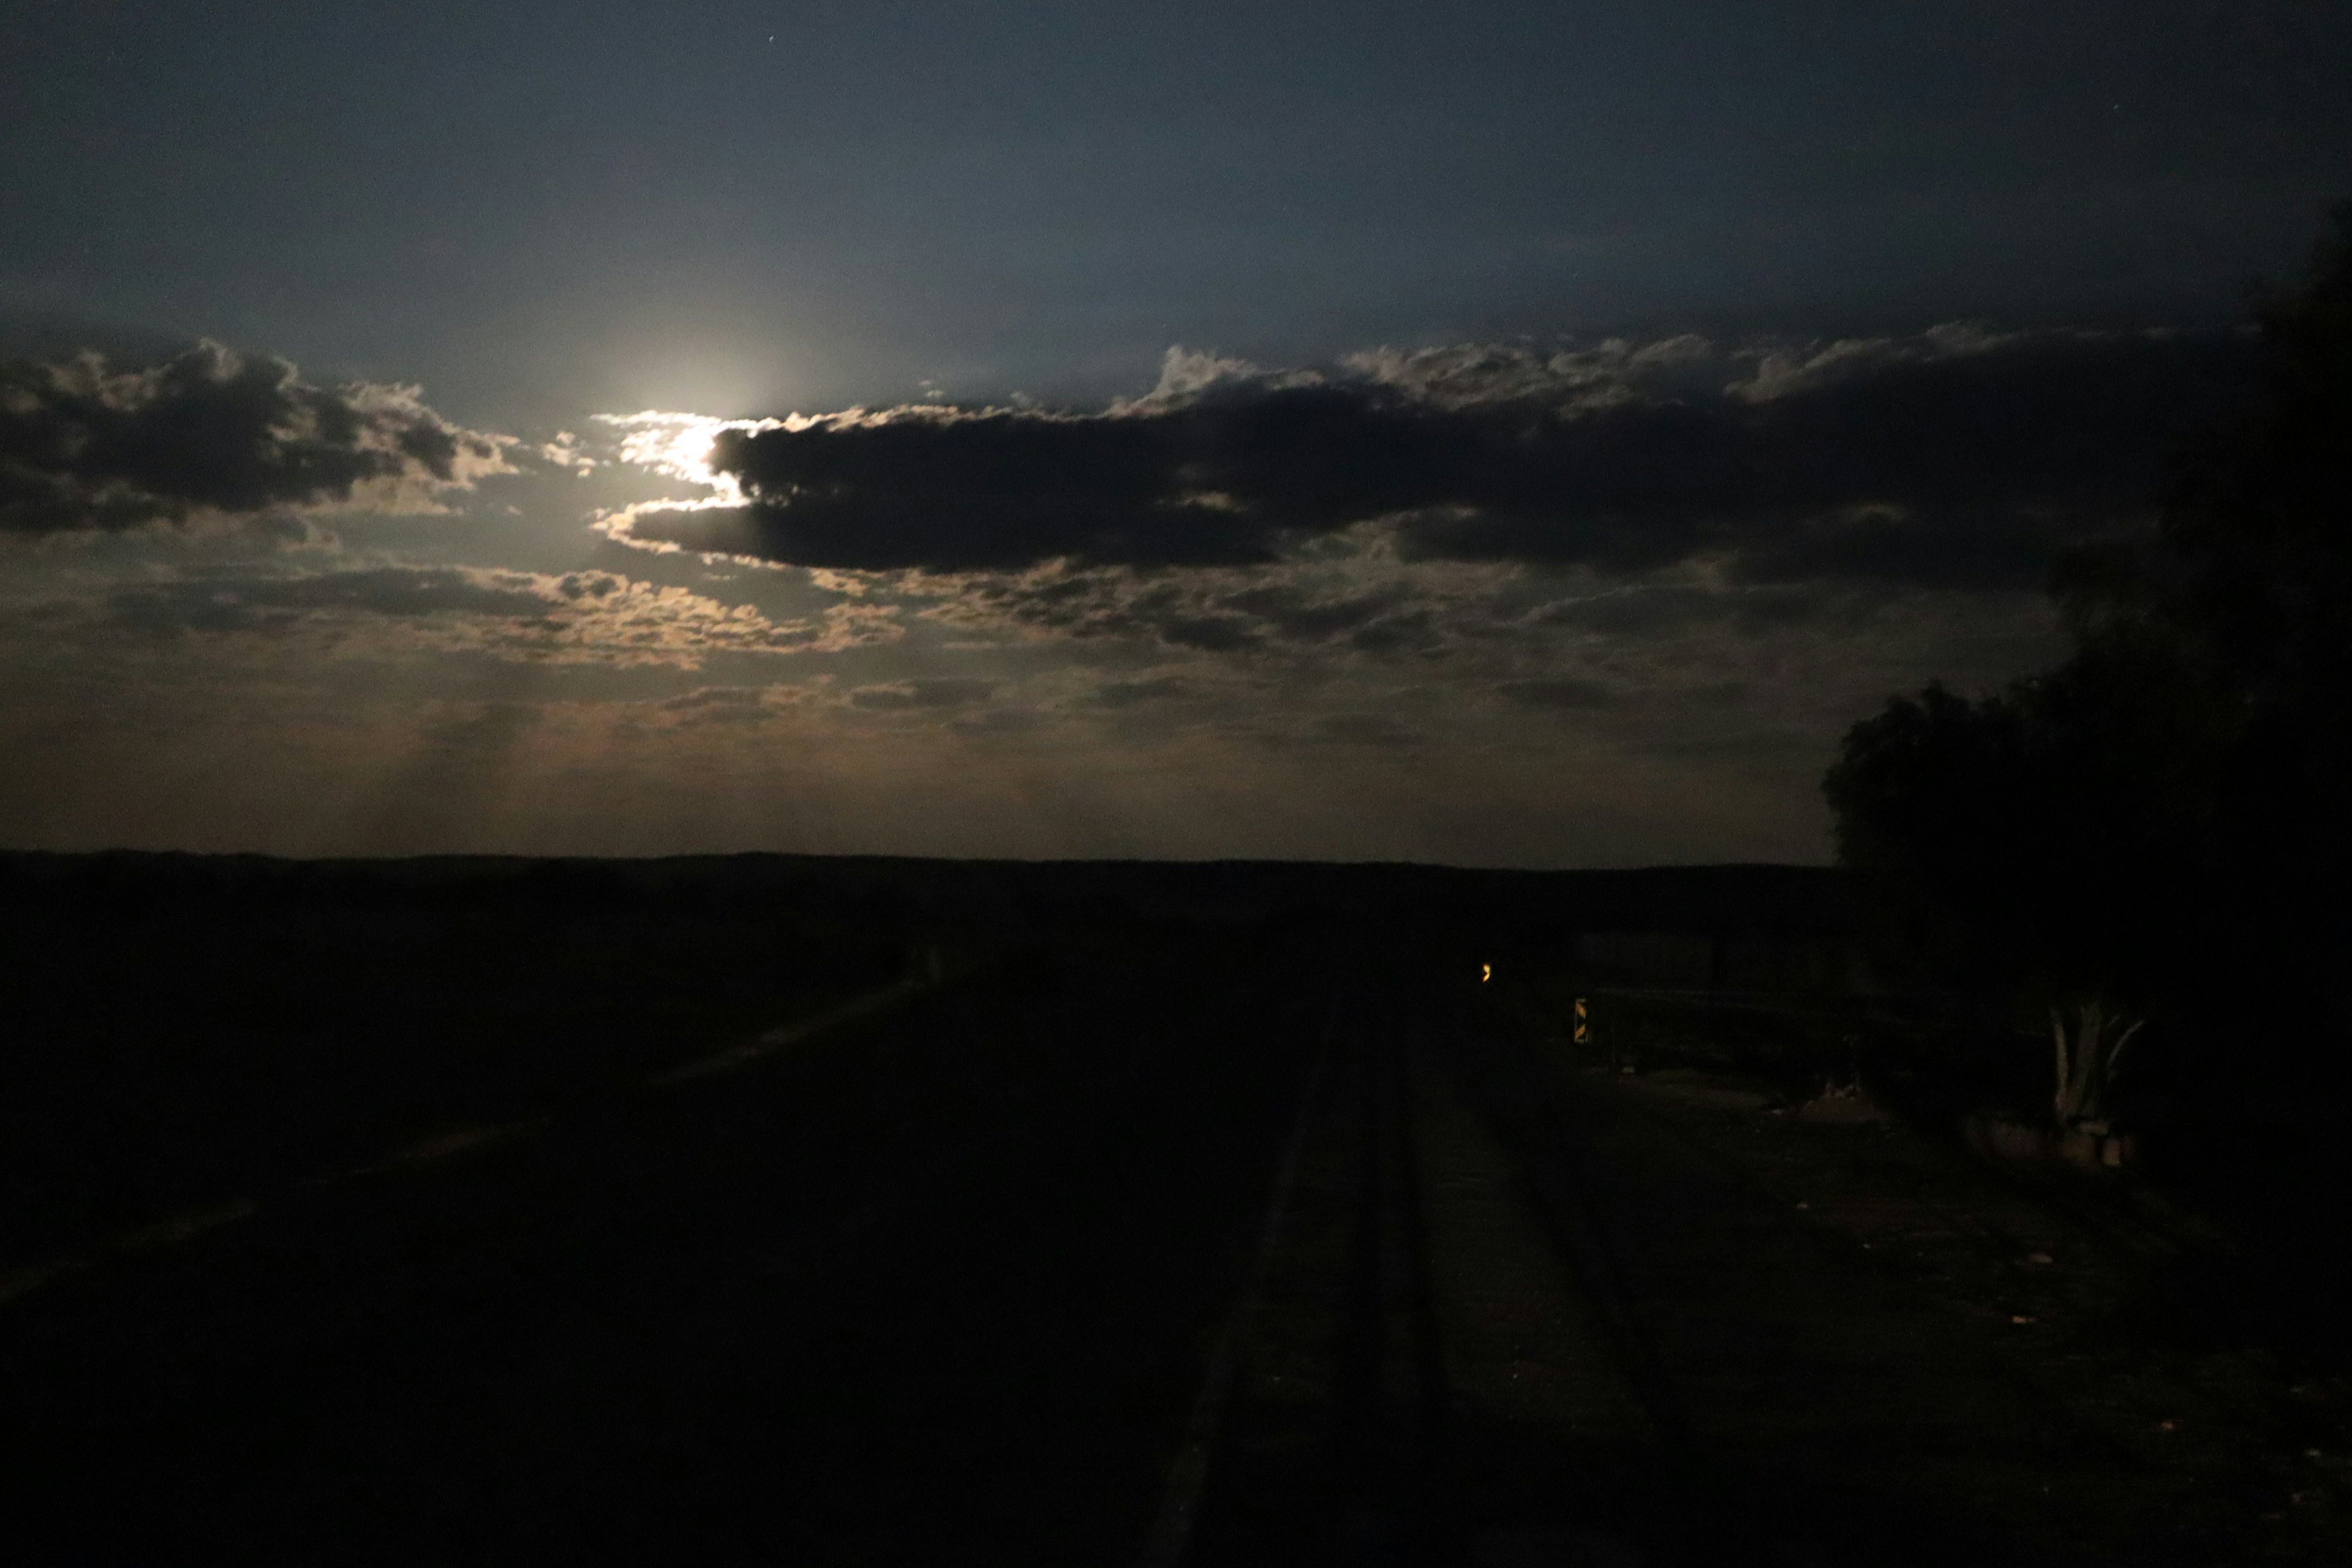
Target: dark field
{"points": [[500, 1211], [180, 1031]]}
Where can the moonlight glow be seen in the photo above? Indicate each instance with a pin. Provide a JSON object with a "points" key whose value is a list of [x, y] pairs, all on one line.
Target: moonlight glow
{"points": [[677, 445]]}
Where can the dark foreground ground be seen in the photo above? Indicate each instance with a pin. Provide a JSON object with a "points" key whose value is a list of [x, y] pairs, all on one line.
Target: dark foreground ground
{"points": [[1149, 1244], [923, 1289]]}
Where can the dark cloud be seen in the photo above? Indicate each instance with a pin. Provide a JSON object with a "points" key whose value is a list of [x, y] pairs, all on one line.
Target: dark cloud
{"points": [[1149, 688], [87, 445], [1299, 616], [1959, 457], [1960, 547], [719, 705], [704, 698], [1210, 634], [941, 692], [1408, 631]]}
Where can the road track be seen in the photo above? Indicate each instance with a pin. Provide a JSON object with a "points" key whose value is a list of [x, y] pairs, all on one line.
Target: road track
{"points": [[1415, 1287], [1518, 1319]]}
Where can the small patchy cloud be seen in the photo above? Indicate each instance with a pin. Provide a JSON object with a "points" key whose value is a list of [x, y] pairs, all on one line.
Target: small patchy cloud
{"points": [[568, 451], [990, 721], [1362, 730], [941, 692], [1559, 695], [1147, 689], [1648, 607], [214, 436], [1289, 608], [729, 704]]}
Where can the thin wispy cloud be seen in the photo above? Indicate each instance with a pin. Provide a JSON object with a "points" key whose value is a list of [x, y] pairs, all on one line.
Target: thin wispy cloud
{"points": [[580, 617]]}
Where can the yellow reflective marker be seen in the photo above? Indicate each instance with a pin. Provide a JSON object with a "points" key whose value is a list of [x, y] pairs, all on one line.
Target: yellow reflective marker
{"points": [[1582, 1022], [1486, 972]]}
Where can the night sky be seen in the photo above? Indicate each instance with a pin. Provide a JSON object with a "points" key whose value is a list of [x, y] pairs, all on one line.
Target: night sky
{"points": [[1494, 434]]}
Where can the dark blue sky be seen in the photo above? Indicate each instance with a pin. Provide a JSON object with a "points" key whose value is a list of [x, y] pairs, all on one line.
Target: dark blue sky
{"points": [[536, 209]]}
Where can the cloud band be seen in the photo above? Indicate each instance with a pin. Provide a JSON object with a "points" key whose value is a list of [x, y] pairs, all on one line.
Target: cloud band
{"points": [[1958, 458]]}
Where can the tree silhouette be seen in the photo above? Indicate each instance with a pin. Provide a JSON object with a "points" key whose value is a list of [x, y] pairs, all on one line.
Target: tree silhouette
{"points": [[2169, 803]]}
